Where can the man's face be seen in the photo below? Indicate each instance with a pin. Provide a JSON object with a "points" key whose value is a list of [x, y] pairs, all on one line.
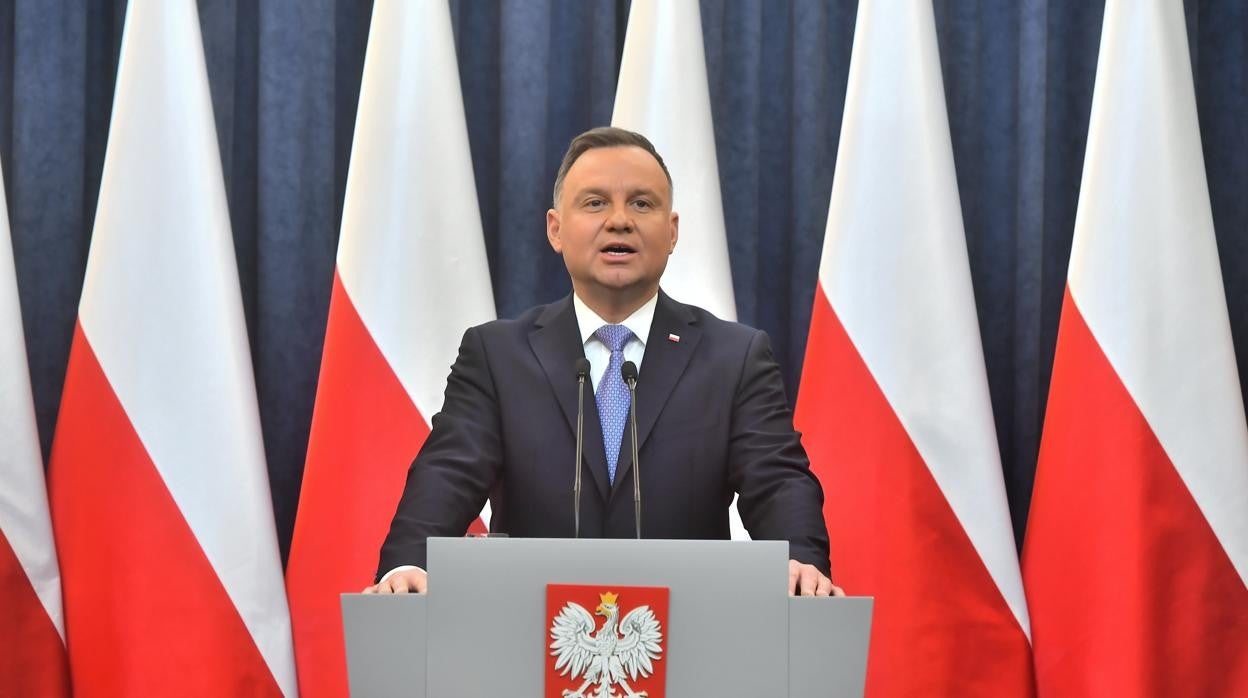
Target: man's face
{"points": [[614, 224]]}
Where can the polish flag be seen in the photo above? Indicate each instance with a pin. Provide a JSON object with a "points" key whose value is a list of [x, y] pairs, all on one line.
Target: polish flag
{"points": [[894, 403], [32, 636], [411, 277], [1137, 544], [662, 93], [158, 486]]}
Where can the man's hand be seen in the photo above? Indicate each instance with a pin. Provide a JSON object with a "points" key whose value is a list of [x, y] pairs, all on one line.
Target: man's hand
{"points": [[807, 580], [409, 581]]}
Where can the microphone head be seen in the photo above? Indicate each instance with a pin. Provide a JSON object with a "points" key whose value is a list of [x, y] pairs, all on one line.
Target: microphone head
{"points": [[582, 367], [629, 372]]}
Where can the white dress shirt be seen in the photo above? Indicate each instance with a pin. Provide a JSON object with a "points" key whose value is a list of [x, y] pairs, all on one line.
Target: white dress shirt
{"points": [[598, 353]]}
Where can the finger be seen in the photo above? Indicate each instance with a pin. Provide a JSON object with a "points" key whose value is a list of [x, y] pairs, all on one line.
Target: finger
{"points": [[399, 584], [824, 587], [809, 580], [837, 591], [421, 584], [370, 589], [795, 569]]}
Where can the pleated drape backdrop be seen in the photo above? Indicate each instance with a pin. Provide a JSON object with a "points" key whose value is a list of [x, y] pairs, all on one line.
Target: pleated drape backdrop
{"points": [[285, 80]]}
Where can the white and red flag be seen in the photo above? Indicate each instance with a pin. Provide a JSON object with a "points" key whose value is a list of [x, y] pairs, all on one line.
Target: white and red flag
{"points": [[32, 634], [1137, 544], [894, 405], [662, 93], [158, 486], [411, 276]]}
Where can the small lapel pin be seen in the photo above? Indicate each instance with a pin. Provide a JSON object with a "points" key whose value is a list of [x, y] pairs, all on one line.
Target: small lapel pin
{"points": [[673, 337]]}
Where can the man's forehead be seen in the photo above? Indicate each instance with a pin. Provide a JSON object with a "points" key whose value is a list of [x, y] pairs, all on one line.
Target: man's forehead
{"points": [[618, 156], [597, 167]]}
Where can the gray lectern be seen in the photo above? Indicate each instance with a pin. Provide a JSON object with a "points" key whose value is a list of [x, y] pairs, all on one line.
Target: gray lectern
{"points": [[484, 630]]}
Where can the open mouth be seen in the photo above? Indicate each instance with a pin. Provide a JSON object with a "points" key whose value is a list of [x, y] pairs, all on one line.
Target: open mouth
{"points": [[618, 249]]}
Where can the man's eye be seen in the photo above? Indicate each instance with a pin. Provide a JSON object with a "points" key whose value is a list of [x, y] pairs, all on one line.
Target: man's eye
{"points": [[594, 203], [643, 205]]}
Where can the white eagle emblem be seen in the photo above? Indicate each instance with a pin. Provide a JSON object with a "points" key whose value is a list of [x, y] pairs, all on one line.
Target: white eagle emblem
{"points": [[617, 653]]}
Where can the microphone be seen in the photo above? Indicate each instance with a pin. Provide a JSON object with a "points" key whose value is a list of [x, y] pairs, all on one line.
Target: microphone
{"points": [[582, 370], [629, 372]]}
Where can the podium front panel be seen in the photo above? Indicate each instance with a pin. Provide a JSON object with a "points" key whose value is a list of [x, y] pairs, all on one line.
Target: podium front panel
{"points": [[728, 626], [385, 642], [828, 642]]}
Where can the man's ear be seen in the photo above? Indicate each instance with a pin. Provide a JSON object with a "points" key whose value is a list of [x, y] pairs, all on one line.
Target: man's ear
{"points": [[552, 231], [675, 223]]}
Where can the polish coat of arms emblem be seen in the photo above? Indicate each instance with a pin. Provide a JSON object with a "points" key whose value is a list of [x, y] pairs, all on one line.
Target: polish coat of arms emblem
{"points": [[615, 650]]}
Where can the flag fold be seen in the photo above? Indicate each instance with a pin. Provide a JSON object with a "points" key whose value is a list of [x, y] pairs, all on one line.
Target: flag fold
{"points": [[893, 403], [1137, 542], [158, 483], [411, 276], [32, 638]]}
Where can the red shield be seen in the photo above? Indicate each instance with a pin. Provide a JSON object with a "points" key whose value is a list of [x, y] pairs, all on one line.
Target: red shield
{"points": [[606, 634]]}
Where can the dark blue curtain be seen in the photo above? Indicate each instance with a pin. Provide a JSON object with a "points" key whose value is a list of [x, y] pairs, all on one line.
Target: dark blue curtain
{"points": [[285, 79]]}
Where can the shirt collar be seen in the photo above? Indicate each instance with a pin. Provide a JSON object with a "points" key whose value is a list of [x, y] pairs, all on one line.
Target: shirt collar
{"points": [[639, 322]]}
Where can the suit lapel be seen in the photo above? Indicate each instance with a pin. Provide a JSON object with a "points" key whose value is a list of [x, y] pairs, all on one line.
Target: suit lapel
{"points": [[661, 367], [556, 341]]}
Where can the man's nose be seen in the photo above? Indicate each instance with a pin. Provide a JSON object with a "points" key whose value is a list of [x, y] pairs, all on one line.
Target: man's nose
{"points": [[619, 219]]}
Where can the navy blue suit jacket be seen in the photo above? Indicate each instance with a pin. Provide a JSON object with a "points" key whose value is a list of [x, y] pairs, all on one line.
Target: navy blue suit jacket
{"points": [[712, 419]]}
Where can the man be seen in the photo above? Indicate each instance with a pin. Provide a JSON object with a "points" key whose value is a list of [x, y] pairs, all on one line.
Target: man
{"points": [[712, 417]]}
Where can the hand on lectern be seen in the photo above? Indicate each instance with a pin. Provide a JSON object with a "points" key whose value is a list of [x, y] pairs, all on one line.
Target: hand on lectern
{"points": [[807, 580], [412, 580]]}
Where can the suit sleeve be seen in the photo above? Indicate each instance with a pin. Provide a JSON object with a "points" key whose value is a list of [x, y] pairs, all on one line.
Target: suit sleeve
{"points": [[450, 479], [779, 498]]}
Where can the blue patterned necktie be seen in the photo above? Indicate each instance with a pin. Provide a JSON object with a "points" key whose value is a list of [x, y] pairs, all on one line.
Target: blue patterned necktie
{"points": [[612, 394]]}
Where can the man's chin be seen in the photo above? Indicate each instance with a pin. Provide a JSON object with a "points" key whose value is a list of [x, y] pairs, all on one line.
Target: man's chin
{"points": [[624, 283], [617, 288]]}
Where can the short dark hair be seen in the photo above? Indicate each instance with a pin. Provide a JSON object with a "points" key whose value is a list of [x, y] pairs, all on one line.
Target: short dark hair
{"points": [[605, 137]]}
